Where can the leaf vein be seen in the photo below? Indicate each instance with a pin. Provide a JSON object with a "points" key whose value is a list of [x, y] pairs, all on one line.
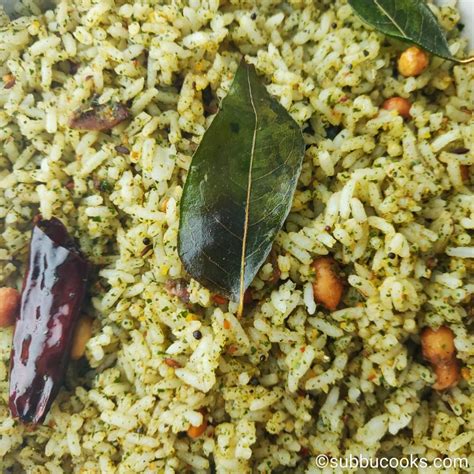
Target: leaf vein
{"points": [[227, 229], [247, 202], [390, 17]]}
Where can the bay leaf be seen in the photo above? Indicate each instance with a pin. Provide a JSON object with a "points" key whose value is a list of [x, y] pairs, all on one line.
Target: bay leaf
{"points": [[239, 188], [411, 21]]}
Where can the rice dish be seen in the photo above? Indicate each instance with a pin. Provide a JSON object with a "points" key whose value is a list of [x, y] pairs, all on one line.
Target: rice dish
{"points": [[383, 195]]}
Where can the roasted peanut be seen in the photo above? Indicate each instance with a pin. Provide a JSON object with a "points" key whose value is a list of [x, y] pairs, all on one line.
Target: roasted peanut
{"points": [[196, 431], [412, 62], [9, 305], [82, 334], [174, 364], [248, 296], [327, 286], [399, 104], [464, 170], [438, 345], [219, 300], [276, 273], [466, 373], [447, 376], [9, 81], [438, 349]]}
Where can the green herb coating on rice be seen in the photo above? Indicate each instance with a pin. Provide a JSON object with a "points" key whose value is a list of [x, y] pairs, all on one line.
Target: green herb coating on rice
{"points": [[387, 197]]}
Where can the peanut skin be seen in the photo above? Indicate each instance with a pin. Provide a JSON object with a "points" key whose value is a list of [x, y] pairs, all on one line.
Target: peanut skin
{"points": [[327, 286], [438, 349]]}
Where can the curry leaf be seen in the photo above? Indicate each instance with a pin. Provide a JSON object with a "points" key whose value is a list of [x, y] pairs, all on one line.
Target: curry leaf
{"points": [[408, 20], [239, 187]]}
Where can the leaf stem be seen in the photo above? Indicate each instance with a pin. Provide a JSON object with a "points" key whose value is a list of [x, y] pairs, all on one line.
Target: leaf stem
{"points": [[468, 60]]}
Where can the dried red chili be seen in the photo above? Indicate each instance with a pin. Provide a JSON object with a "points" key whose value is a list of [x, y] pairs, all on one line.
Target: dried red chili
{"points": [[53, 292]]}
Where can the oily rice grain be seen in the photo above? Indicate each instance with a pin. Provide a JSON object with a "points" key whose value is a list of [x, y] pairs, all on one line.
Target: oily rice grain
{"points": [[385, 196]]}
